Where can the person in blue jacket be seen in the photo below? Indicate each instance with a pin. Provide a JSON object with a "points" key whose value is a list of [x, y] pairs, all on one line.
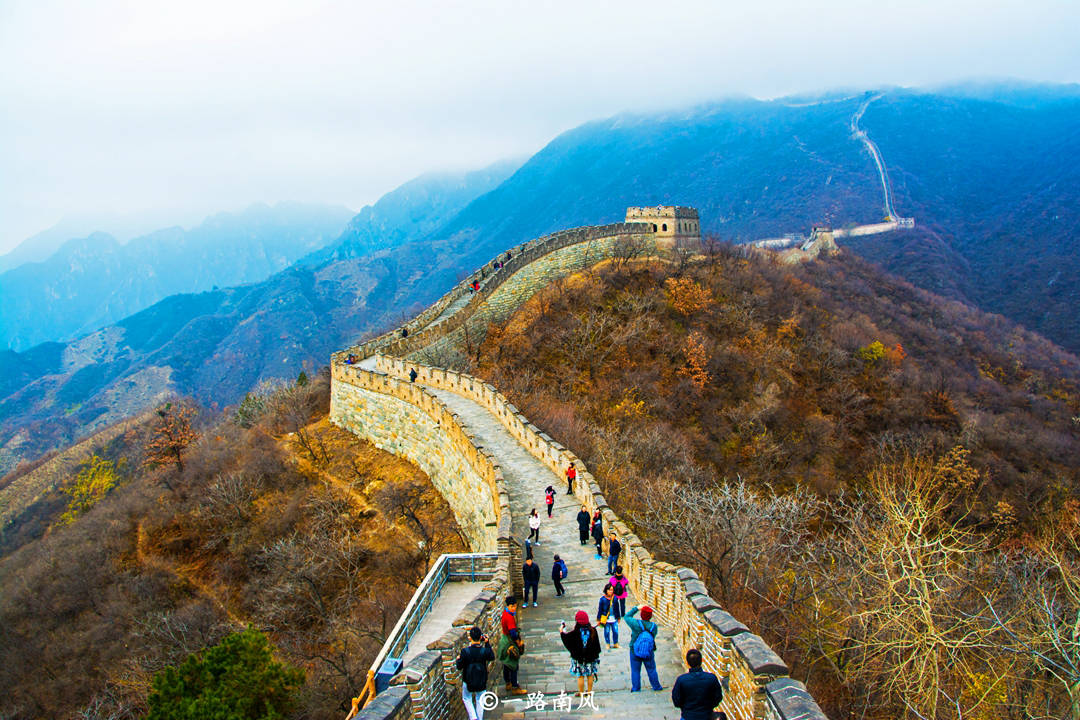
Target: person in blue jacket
{"points": [[608, 613], [637, 627]]}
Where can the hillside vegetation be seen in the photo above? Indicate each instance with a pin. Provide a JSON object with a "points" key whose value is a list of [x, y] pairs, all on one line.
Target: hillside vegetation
{"points": [[190, 527], [883, 483]]}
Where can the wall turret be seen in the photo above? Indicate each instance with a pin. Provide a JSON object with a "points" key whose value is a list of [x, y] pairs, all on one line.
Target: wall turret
{"points": [[674, 227]]}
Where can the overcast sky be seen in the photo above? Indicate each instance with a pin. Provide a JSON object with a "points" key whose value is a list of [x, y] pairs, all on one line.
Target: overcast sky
{"points": [[182, 108]]}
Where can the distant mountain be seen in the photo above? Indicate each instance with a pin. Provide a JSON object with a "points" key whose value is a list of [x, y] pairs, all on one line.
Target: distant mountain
{"points": [[992, 186], [93, 281], [217, 344], [413, 210]]}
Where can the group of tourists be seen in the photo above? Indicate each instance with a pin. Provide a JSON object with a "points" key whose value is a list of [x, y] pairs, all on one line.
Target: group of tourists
{"points": [[696, 693]]}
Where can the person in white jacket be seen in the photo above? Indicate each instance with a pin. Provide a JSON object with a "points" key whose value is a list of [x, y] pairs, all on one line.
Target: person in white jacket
{"points": [[534, 526]]}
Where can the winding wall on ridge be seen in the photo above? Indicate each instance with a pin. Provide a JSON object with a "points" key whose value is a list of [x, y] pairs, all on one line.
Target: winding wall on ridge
{"points": [[373, 404]]}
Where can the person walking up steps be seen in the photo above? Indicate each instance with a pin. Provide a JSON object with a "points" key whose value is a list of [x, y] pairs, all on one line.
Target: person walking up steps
{"points": [[584, 645], [571, 476], [549, 498], [530, 574], [642, 648], [583, 519], [558, 574], [608, 614], [697, 692], [534, 526], [510, 646], [473, 665], [598, 533], [614, 550], [619, 583]]}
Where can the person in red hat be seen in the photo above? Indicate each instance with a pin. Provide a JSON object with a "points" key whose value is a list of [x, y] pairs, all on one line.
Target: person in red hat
{"points": [[642, 647], [583, 642]]}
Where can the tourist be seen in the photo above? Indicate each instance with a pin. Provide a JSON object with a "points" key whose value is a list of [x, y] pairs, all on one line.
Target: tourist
{"points": [[530, 575], [598, 533], [608, 614], [510, 646], [472, 663], [534, 526], [528, 550], [404, 332], [584, 645], [696, 693], [619, 584], [549, 498], [571, 475], [642, 648], [412, 374], [614, 549], [558, 574], [583, 519]]}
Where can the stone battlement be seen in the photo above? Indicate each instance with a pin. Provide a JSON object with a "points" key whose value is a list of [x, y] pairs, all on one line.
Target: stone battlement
{"points": [[404, 418]]}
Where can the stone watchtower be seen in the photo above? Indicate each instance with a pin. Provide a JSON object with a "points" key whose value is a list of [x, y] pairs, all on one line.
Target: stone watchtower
{"points": [[675, 227]]}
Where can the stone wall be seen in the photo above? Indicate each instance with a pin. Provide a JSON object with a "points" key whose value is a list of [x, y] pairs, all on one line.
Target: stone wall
{"points": [[403, 419], [679, 599], [406, 420], [589, 246]]}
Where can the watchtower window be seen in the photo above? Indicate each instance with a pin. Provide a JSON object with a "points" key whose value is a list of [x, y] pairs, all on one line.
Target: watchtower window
{"points": [[664, 226], [654, 227]]}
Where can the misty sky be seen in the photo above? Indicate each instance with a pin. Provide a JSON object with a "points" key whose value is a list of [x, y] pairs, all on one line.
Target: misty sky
{"points": [[188, 107]]}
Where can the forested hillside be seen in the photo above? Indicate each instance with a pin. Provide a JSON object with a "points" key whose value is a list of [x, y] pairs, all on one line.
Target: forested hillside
{"points": [[194, 525], [824, 443]]}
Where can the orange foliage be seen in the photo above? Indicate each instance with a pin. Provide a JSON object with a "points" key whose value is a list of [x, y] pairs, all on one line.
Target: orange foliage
{"points": [[686, 296], [696, 360]]}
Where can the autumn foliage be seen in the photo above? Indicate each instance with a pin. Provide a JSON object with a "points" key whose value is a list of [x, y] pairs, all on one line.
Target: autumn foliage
{"points": [[865, 474]]}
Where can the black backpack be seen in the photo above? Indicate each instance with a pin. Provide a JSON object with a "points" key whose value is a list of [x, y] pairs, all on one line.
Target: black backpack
{"points": [[475, 673]]}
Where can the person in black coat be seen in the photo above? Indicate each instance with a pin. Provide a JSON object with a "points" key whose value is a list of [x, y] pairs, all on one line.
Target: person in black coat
{"points": [[697, 692], [530, 574], [583, 642], [472, 664], [598, 533], [583, 521]]}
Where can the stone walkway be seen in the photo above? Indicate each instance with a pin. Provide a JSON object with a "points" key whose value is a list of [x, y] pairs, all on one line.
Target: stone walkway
{"points": [[453, 597], [545, 665]]}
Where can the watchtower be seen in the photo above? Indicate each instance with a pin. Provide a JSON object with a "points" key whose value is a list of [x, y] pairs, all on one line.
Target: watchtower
{"points": [[674, 227]]}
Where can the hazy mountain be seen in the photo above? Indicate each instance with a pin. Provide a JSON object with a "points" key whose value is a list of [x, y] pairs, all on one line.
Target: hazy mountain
{"points": [[992, 186], [93, 281], [413, 210]]}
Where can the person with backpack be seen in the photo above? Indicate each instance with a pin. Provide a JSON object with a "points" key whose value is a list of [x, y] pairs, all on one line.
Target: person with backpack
{"points": [[696, 693], [510, 646], [558, 574], [583, 643], [534, 526], [583, 519], [530, 575], [642, 648], [571, 475], [619, 584], [549, 499], [598, 533], [608, 614], [472, 663], [614, 550]]}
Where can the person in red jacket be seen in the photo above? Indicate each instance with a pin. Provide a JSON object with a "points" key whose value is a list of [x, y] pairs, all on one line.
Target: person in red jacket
{"points": [[571, 475]]}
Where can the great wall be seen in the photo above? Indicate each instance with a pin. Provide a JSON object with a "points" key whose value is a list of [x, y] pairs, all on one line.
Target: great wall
{"points": [[491, 464]]}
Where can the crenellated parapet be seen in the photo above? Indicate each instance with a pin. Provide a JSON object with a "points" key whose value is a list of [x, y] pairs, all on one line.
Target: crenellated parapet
{"points": [[380, 402]]}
